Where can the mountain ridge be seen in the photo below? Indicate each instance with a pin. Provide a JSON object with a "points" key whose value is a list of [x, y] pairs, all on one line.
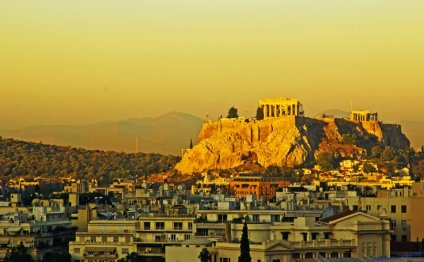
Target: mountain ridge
{"points": [[166, 134]]}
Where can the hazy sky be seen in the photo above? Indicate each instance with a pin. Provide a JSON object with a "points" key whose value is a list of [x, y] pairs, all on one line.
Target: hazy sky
{"points": [[84, 61]]}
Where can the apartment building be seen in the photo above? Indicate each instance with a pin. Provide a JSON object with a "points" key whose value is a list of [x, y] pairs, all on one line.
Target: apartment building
{"points": [[106, 240]]}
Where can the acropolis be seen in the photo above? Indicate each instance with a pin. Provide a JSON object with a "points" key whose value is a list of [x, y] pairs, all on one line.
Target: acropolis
{"points": [[277, 107], [362, 116]]}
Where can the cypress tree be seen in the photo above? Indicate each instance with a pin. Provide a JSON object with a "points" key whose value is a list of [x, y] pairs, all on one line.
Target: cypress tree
{"points": [[244, 245], [259, 114]]}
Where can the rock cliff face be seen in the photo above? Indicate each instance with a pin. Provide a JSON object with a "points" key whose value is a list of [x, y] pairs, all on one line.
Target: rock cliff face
{"points": [[287, 141]]}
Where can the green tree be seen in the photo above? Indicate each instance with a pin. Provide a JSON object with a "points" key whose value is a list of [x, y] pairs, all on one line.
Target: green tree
{"points": [[53, 257], [18, 254], [204, 255], [259, 113], [376, 151], [233, 112], [388, 154], [326, 161], [244, 245], [133, 257], [368, 168]]}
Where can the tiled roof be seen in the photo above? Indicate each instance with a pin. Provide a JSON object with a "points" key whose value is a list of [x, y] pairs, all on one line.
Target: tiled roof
{"points": [[338, 216]]}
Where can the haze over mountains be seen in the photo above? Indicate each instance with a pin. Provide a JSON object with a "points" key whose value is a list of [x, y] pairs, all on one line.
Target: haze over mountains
{"points": [[165, 134]]}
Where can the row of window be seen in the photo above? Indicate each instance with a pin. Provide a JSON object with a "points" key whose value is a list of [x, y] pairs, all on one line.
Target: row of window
{"points": [[161, 226], [393, 208], [172, 237], [393, 224]]}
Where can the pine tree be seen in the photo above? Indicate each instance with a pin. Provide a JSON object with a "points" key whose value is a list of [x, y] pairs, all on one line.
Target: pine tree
{"points": [[191, 143], [244, 245]]}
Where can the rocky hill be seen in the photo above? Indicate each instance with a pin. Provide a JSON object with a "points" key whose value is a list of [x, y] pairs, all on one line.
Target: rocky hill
{"points": [[289, 141]]}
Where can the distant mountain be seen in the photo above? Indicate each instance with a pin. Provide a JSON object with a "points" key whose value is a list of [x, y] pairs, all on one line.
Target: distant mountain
{"points": [[165, 134], [336, 113]]}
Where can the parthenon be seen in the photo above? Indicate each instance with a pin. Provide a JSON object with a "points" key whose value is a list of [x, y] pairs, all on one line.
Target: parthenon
{"points": [[362, 116], [278, 107]]}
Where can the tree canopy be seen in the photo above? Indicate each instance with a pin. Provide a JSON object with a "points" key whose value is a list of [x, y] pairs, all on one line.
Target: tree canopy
{"points": [[24, 159], [53, 257], [18, 254], [233, 112], [326, 161]]}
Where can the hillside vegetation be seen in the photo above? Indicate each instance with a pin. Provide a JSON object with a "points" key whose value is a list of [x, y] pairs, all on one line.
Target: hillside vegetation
{"points": [[25, 159]]}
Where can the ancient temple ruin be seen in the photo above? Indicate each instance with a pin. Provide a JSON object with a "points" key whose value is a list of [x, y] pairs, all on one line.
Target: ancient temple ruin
{"points": [[278, 107], [363, 115]]}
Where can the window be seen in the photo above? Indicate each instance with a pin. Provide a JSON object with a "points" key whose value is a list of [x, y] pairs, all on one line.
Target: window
{"points": [[393, 209], [347, 254], [190, 225], [255, 218], [327, 235], [368, 207], [222, 218], [393, 223], [403, 208], [305, 236], [275, 218], [403, 224], [125, 251], [146, 225], [93, 239], [178, 225], [285, 235], [173, 237], [187, 236], [315, 235], [158, 238], [355, 208], [115, 239], [160, 225], [392, 237], [404, 238], [77, 250]]}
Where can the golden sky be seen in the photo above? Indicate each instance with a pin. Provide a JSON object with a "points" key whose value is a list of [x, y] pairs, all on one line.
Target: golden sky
{"points": [[84, 61]]}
